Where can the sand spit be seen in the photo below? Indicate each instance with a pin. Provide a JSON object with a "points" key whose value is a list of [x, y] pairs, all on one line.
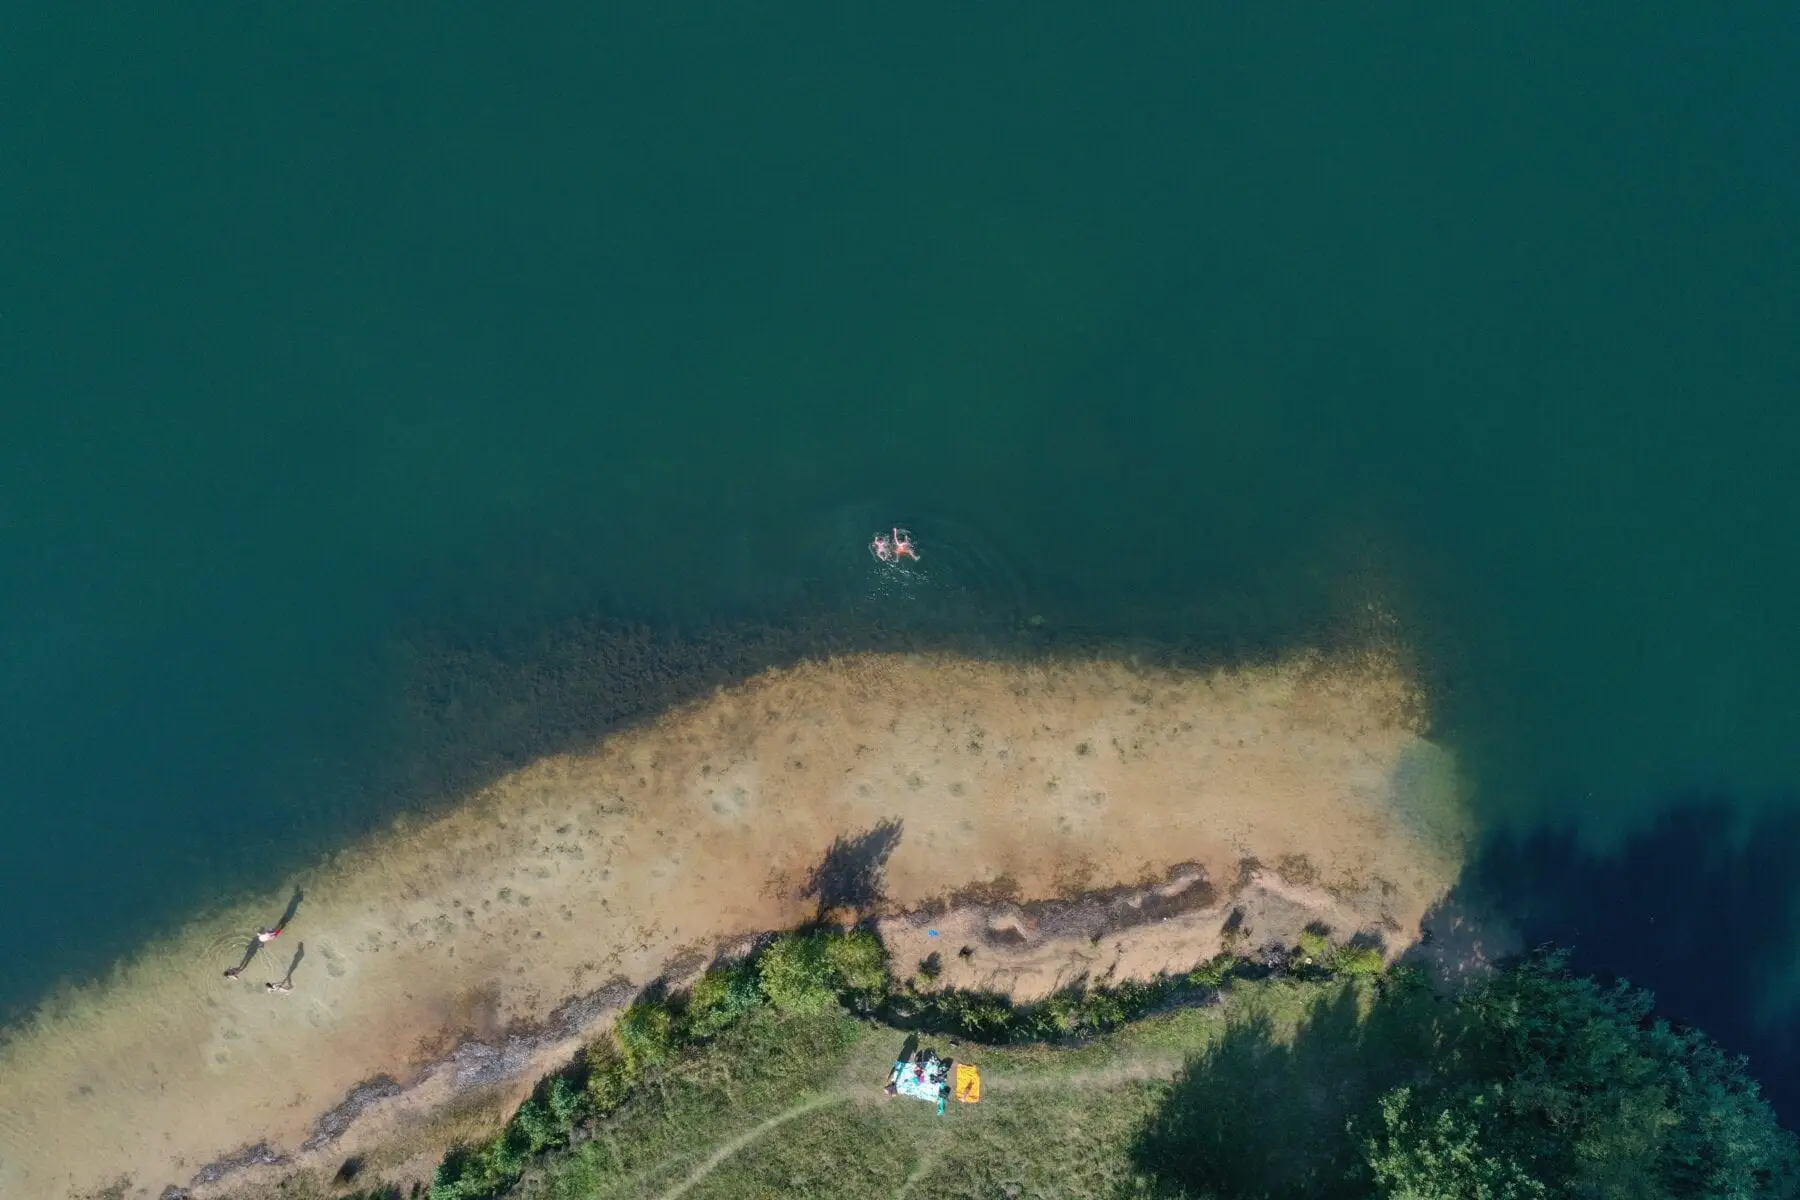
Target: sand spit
{"points": [[471, 950]]}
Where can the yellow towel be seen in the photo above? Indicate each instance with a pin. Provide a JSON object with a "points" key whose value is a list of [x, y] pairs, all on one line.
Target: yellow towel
{"points": [[968, 1084]]}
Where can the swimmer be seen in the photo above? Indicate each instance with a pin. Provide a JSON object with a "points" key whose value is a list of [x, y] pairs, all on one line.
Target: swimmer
{"points": [[903, 545], [268, 935], [233, 972], [286, 985], [882, 549]]}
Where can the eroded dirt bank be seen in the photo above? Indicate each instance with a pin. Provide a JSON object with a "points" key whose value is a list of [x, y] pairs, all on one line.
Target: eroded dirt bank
{"points": [[585, 874]]}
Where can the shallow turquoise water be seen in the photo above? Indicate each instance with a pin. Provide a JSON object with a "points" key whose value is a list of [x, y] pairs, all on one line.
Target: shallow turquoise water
{"points": [[320, 327]]}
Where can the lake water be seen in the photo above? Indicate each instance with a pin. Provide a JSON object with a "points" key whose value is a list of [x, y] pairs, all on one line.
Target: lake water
{"points": [[322, 331]]}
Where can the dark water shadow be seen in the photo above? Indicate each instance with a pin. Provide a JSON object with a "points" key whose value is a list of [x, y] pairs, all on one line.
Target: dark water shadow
{"points": [[1258, 1116], [472, 705], [853, 871], [1702, 908]]}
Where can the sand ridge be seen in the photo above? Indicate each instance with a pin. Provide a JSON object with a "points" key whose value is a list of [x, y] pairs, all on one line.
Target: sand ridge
{"points": [[704, 826]]}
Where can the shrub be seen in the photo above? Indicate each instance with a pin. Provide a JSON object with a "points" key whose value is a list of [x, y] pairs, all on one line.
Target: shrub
{"points": [[1100, 1011], [721, 997], [566, 1103], [983, 1016], [1315, 946], [1055, 1017], [1137, 996], [448, 1181], [858, 962], [797, 974], [646, 1034], [470, 1174], [505, 1157], [1358, 961], [1405, 977], [610, 1078], [534, 1125], [1214, 971]]}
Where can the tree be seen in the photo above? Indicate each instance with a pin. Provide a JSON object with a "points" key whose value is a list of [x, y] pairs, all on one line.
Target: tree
{"points": [[1582, 1084], [1443, 1157]]}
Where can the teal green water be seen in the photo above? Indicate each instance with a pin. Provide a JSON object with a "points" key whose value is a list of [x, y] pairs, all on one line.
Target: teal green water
{"points": [[321, 324]]}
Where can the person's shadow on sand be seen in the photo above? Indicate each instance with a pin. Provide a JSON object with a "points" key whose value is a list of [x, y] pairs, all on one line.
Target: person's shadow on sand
{"points": [[293, 907], [266, 935], [250, 952], [286, 982]]}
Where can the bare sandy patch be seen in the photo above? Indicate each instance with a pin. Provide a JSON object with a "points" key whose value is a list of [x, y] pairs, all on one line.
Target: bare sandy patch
{"points": [[582, 869]]}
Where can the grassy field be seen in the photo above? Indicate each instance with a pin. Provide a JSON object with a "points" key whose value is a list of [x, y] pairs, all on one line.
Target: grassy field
{"points": [[793, 1107]]}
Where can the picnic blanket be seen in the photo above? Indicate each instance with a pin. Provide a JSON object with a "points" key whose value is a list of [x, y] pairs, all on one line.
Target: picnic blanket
{"points": [[934, 1079], [921, 1081]]}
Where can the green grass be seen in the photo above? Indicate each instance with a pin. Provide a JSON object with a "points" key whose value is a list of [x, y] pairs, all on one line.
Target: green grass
{"points": [[801, 975], [1333, 1079], [1043, 1143], [766, 1063], [1054, 1121]]}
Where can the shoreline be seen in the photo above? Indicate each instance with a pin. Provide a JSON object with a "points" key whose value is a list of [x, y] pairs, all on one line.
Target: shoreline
{"points": [[580, 871], [1026, 951], [451, 709]]}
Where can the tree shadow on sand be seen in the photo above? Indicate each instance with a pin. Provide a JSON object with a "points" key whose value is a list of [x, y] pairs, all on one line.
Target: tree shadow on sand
{"points": [[853, 872], [1262, 1115]]}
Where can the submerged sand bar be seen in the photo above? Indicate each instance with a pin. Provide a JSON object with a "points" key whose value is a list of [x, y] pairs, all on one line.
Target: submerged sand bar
{"points": [[701, 828]]}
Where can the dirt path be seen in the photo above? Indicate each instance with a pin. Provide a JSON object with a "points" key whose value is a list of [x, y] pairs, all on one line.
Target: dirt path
{"points": [[744, 1139], [927, 1162], [1157, 1066]]}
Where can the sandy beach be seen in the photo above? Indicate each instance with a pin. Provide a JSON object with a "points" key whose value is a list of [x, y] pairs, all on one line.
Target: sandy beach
{"points": [[667, 842]]}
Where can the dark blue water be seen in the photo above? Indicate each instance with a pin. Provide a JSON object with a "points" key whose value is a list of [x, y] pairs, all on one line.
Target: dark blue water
{"points": [[325, 334]]}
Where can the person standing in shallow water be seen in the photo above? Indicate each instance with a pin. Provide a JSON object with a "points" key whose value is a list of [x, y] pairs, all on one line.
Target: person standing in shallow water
{"points": [[266, 935]]}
